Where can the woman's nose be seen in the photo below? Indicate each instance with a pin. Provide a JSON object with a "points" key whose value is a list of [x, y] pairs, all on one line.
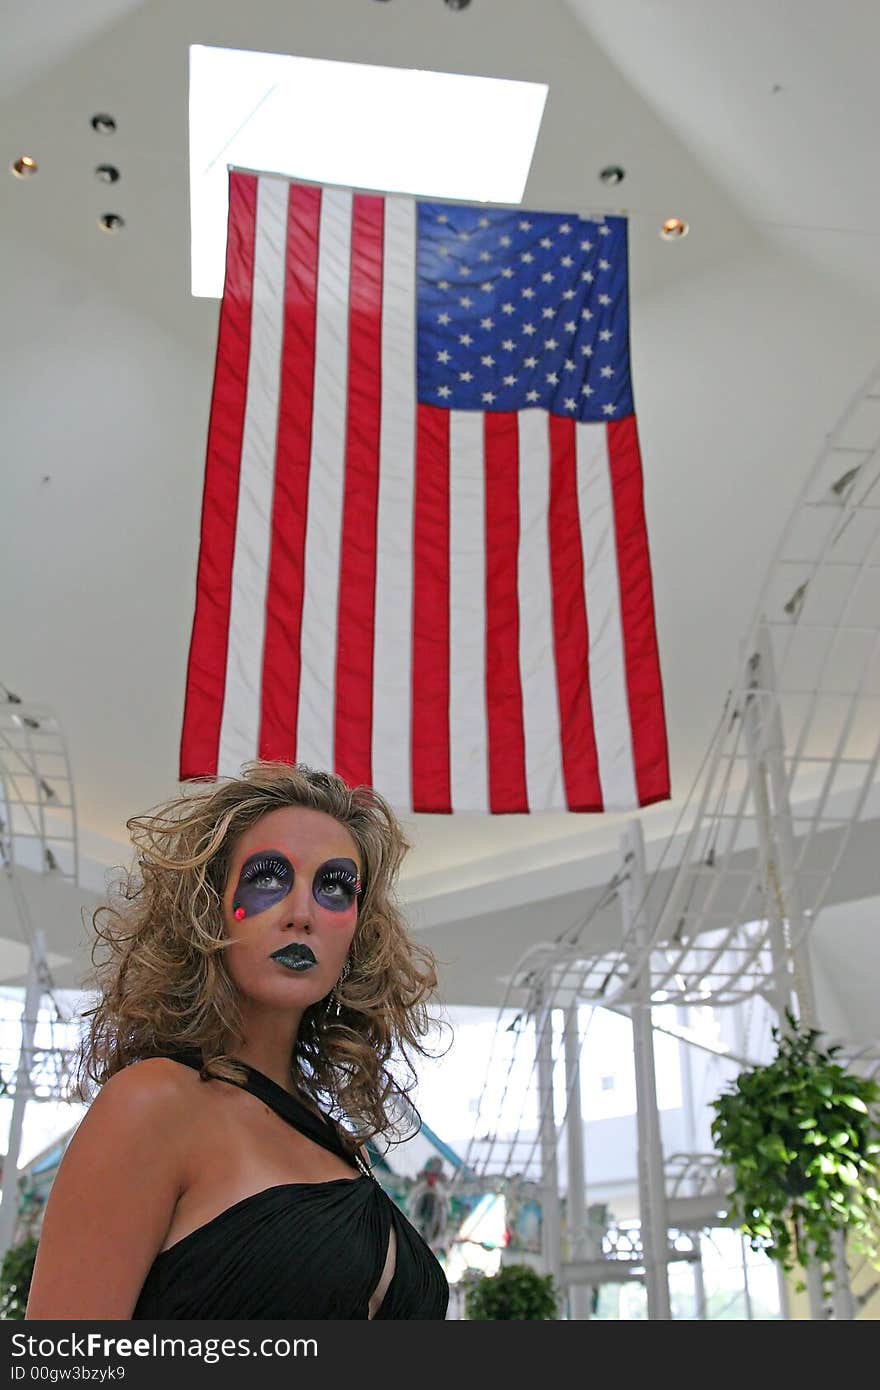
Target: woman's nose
{"points": [[299, 905]]}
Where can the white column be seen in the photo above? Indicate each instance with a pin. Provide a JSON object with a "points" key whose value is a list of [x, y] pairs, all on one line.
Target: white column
{"points": [[756, 731], [32, 997], [765, 742], [843, 1302], [783, 828], [699, 1282], [652, 1184], [685, 1018], [579, 1294], [782, 1289], [815, 1293], [551, 1224], [747, 1293]]}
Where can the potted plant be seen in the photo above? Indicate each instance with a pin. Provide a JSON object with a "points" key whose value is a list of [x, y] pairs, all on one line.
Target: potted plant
{"points": [[516, 1291], [15, 1279], [800, 1140]]}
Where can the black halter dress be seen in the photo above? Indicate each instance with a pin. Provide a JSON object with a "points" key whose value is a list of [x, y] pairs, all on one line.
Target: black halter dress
{"points": [[297, 1250]]}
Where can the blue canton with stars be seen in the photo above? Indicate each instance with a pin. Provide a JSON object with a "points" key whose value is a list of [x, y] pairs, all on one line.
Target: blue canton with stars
{"points": [[520, 309]]}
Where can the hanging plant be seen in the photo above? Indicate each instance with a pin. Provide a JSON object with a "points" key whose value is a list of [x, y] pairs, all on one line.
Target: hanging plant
{"points": [[802, 1145], [516, 1291]]}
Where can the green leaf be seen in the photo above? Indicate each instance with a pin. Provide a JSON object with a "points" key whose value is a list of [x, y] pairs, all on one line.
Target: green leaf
{"points": [[854, 1103], [772, 1147]]}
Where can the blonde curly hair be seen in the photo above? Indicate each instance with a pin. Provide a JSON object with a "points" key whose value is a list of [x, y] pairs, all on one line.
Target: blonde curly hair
{"points": [[163, 984]]}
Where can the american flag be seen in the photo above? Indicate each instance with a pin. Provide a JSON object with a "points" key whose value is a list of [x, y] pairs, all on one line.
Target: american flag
{"points": [[423, 560]]}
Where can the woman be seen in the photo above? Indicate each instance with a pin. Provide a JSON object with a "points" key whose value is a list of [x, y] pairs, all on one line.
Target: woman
{"points": [[258, 973]]}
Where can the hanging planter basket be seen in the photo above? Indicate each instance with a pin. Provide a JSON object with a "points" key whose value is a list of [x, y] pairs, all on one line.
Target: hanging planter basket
{"points": [[801, 1141]]}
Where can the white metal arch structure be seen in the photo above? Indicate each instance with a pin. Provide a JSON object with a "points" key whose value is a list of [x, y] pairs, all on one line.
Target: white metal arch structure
{"points": [[37, 807], [789, 775], [38, 835], [795, 761]]}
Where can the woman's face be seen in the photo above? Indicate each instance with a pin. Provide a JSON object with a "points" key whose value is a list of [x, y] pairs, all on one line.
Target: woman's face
{"points": [[290, 907]]}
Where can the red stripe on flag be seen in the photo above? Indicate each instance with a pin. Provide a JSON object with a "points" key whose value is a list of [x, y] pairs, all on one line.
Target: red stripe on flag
{"points": [[644, 688], [504, 707], [431, 782], [284, 599], [206, 670], [571, 642], [357, 566]]}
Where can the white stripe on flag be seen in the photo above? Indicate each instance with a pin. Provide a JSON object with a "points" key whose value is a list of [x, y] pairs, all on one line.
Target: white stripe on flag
{"points": [[317, 692], [544, 781], [240, 725], [468, 730], [608, 690], [392, 652]]}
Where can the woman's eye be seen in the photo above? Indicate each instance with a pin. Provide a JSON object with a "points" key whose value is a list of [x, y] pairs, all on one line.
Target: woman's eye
{"points": [[266, 876], [266, 879], [335, 888]]}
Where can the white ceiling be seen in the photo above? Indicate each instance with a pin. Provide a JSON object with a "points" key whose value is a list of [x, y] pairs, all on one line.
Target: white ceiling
{"points": [[755, 122]]}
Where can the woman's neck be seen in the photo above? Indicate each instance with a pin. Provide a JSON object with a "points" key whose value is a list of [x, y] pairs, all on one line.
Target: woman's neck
{"points": [[267, 1045]]}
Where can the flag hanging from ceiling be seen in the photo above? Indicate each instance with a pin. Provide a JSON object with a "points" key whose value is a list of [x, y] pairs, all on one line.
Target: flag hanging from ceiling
{"points": [[424, 562]]}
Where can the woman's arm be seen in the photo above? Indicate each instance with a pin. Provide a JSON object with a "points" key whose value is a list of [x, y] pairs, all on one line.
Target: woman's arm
{"points": [[113, 1197]]}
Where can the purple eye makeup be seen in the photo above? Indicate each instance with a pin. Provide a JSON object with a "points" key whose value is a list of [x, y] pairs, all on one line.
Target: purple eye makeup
{"points": [[336, 885], [264, 880], [267, 878]]}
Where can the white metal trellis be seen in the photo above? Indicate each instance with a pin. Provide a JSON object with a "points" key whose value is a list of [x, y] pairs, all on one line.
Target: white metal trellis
{"points": [[38, 835], [796, 761], [37, 806], [789, 775]]}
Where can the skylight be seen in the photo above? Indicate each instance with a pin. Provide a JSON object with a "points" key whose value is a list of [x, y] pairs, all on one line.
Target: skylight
{"points": [[437, 134]]}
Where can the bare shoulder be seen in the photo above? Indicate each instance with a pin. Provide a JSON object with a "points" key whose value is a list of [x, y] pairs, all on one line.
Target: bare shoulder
{"points": [[115, 1193], [156, 1093], [152, 1081]]}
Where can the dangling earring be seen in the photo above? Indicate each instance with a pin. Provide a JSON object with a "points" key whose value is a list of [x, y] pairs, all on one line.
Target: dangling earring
{"points": [[238, 912], [332, 996]]}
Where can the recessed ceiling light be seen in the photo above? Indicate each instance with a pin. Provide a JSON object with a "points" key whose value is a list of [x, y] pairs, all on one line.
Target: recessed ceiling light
{"points": [[103, 124], [24, 166], [612, 173], [106, 173], [110, 222], [673, 228], [458, 4]]}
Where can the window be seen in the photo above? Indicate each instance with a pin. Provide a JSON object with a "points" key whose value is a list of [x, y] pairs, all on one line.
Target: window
{"points": [[438, 134]]}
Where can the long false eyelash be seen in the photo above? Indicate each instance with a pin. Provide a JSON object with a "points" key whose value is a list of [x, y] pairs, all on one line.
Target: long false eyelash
{"points": [[340, 876], [265, 866]]}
